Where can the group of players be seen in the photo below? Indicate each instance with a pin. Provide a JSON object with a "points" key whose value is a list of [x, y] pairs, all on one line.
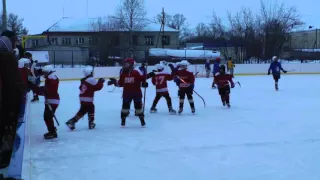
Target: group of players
{"points": [[131, 79]]}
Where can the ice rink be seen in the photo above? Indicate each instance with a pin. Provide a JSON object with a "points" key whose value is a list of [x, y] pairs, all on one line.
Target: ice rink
{"points": [[266, 135]]}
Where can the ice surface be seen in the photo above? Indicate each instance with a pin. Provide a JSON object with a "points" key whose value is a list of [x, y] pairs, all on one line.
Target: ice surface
{"points": [[266, 135]]}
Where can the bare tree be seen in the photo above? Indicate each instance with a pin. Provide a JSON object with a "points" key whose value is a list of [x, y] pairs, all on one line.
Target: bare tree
{"points": [[15, 24], [105, 24], [167, 19], [177, 22], [132, 15], [202, 30]]}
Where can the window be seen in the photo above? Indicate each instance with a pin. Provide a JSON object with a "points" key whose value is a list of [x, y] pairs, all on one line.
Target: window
{"points": [[35, 43], [53, 40], [165, 40], [80, 40], [134, 40], [93, 41], [66, 41], [149, 40]]}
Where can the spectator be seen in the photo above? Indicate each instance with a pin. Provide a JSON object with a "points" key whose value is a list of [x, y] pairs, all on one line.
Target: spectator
{"points": [[230, 66], [11, 95]]}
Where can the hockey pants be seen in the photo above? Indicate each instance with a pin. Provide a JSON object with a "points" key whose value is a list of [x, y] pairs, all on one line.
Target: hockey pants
{"points": [[48, 116], [159, 96], [126, 103], [225, 94], [85, 109], [182, 94]]}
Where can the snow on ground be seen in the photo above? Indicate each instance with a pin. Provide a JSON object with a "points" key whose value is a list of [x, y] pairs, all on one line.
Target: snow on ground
{"points": [[265, 135]]}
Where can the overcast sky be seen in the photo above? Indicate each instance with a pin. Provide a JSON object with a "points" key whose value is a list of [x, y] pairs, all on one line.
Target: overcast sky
{"points": [[39, 15]]}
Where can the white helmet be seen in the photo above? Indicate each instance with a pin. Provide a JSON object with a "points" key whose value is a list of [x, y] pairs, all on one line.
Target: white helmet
{"points": [[159, 66], [47, 68], [88, 71], [184, 63], [274, 58], [22, 62]]}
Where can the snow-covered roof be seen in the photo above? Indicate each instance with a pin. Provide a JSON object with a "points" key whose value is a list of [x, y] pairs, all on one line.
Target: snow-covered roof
{"points": [[67, 24], [197, 54]]}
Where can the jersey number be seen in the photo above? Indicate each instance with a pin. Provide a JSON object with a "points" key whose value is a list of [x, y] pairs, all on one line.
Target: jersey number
{"points": [[83, 89], [159, 80]]}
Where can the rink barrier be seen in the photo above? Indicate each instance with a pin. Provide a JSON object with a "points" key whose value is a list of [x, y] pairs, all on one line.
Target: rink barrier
{"points": [[15, 167], [71, 74]]}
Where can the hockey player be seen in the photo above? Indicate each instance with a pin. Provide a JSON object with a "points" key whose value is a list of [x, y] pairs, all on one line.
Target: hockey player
{"points": [[23, 65], [275, 67], [52, 99], [131, 79], [89, 85], [186, 85], [174, 68], [222, 80], [160, 81], [215, 70]]}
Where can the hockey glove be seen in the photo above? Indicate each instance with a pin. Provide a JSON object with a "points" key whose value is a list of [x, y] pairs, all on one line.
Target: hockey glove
{"points": [[144, 84], [268, 73], [151, 75], [191, 87], [232, 85], [112, 81], [101, 80], [177, 81], [285, 71], [171, 67]]}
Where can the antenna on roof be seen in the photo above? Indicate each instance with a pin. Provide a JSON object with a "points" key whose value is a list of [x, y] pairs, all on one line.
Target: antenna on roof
{"points": [[163, 18]]}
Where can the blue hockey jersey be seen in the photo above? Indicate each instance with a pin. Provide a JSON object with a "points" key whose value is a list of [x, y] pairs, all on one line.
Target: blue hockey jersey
{"points": [[216, 67], [275, 67]]}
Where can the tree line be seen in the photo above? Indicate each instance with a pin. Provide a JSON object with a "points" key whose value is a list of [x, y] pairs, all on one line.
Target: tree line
{"points": [[15, 24]]}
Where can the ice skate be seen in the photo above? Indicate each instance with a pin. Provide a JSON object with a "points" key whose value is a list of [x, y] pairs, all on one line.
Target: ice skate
{"points": [[143, 123], [51, 134], [228, 104], [71, 124], [153, 110], [276, 87], [180, 111], [123, 122], [172, 111], [193, 110], [223, 103], [92, 125]]}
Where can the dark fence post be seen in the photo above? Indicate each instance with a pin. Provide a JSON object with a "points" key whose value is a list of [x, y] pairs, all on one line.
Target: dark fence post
{"points": [[72, 59], [54, 59]]}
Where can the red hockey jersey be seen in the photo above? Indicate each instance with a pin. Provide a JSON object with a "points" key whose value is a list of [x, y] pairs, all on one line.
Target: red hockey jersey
{"points": [[24, 75], [87, 88], [50, 89], [131, 83], [160, 81], [222, 80], [187, 77]]}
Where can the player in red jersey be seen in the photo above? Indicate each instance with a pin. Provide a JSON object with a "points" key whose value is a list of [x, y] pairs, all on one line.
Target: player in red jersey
{"points": [[222, 80], [89, 85], [23, 65], [186, 85], [52, 99], [131, 80], [160, 81]]}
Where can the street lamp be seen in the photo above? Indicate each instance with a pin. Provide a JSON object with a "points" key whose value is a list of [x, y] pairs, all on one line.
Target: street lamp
{"points": [[4, 15]]}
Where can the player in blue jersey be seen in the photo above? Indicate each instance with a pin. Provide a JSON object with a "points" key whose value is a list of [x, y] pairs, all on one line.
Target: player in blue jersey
{"points": [[276, 68]]}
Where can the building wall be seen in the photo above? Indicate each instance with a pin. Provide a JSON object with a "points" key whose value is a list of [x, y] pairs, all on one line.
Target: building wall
{"points": [[65, 52], [304, 39]]}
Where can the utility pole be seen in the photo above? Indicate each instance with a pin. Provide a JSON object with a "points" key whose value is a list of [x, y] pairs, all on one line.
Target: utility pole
{"points": [[161, 32], [4, 15]]}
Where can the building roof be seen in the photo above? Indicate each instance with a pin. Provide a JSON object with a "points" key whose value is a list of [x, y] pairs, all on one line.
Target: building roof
{"points": [[67, 24]]}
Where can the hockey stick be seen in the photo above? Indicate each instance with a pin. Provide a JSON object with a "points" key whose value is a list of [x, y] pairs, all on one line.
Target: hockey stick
{"points": [[204, 102], [238, 83], [145, 88], [114, 88], [54, 116]]}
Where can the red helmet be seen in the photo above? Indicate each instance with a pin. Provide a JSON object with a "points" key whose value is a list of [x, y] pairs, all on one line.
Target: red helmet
{"points": [[218, 59], [129, 61]]}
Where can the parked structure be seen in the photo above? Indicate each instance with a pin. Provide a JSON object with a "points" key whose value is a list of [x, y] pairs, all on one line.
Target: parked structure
{"points": [[75, 41]]}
